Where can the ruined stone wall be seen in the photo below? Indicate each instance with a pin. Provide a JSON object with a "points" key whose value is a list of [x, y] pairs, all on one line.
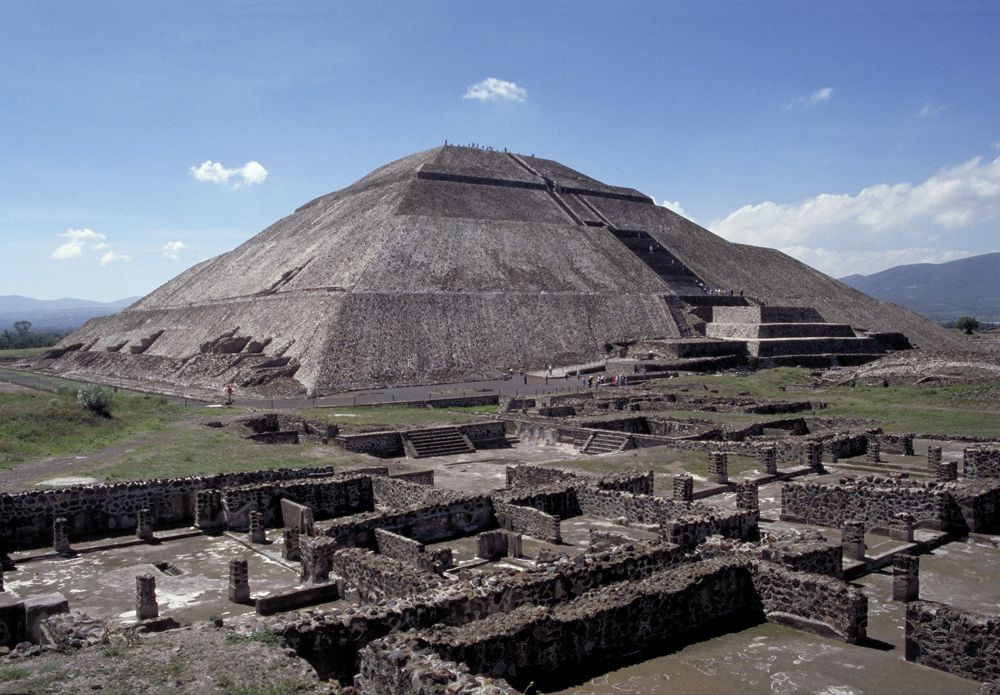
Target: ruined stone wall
{"points": [[811, 602], [329, 641], [398, 665], [981, 462], [608, 622], [485, 434], [397, 493], [689, 530], [26, 517], [398, 547], [531, 476], [462, 515], [528, 521], [875, 500], [376, 577], [891, 443], [814, 557], [327, 497], [425, 477], [380, 444], [978, 503], [960, 642], [557, 499]]}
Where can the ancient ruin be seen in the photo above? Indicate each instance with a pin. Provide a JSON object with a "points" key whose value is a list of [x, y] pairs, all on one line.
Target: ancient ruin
{"points": [[457, 264]]}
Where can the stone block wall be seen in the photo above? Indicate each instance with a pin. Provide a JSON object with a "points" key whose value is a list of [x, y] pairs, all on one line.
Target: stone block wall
{"points": [[528, 521], [899, 444], [397, 493], [26, 517], [981, 462], [690, 530], [486, 434], [978, 503], [419, 477], [379, 444], [960, 642], [811, 602], [398, 547], [460, 515], [876, 501], [330, 641], [627, 481], [557, 499], [376, 577], [327, 497]]}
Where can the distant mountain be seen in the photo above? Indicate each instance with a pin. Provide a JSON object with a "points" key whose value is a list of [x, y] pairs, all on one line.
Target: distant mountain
{"points": [[55, 314], [939, 291]]}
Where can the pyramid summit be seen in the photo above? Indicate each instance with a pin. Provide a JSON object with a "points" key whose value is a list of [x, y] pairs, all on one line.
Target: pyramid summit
{"points": [[456, 264]]}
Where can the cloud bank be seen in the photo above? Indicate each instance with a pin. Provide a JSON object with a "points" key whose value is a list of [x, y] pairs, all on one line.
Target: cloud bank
{"points": [[172, 249], [492, 89], [76, 239], [880, 226], [249, 174]]}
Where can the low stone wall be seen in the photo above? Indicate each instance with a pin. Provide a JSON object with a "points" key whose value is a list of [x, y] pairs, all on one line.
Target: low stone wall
{"points": [[690, 530], [528, 521], [530, 476], [327, 497], [608, 622], [876, 501], [557, 499], [330, 640], [399, 664], [375, 577], [486, 434], [981, 462], [380, 444], [26, 517], [418, 477], [397, 493], [461, 515], [978, 502], [960, 642], [899, 444], [811, 602], [398, 547]]}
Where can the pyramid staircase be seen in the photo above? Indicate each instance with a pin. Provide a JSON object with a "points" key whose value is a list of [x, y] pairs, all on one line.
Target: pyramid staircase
{"points": [[606, 443], [436, 441]]}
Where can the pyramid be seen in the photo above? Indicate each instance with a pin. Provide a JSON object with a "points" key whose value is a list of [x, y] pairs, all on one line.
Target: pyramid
{"points": [[450, 265]]}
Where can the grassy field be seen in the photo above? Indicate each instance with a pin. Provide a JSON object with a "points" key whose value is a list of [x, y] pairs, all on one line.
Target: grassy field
{"points": [[37, 424], [961, 409], [22, 353]]}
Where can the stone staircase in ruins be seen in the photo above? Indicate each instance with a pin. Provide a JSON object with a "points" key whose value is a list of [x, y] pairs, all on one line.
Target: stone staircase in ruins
{"points": [[436, 441], [605, 443]]}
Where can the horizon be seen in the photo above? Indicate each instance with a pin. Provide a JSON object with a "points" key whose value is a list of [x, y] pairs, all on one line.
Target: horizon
{"points": [[150, 138]]}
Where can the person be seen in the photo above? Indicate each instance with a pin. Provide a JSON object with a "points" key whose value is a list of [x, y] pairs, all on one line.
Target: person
{"points": [[550, 370], [229, 394]]}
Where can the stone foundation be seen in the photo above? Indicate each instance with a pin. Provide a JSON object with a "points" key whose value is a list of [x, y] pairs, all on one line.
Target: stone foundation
{"points": [[960, 642]]}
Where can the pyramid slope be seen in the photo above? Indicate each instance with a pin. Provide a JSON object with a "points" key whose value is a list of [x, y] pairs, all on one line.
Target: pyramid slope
{"points": [[448, 265]]}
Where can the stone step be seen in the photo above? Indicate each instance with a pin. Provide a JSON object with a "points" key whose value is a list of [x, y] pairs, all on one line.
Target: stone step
{"points": [[774, 347], [436, 441], [605, 443], [746, 331], [818, 361]]}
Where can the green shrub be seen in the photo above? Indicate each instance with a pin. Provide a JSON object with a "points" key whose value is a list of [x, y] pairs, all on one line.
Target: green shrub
{"points": [[96, 399]]}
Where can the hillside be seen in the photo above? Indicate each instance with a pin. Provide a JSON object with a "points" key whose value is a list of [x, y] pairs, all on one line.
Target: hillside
{"points": [[939, 291], [55, 314]]}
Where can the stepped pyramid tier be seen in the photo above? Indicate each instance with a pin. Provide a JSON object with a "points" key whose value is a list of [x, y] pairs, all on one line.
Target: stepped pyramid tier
{"points": [[450, 265]]}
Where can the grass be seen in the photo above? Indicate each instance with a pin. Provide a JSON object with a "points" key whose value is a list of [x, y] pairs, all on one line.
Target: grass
{"points": [[263, 635], [21, 353], [395, 416], [13, 673], [34, 425], [285, 686], [961, 409]]}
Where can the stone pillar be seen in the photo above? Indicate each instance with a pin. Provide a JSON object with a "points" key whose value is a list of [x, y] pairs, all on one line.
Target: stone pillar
{"points": [[257, 534], [970, 459], [515, 546], [902, 527], [746, 496], [905, 578], [767, 460], [291, 550], [145, 597], [907, 442], [239, 581], [947, 471], [1, 581], [718, 467], [933, 457], [491, 545], [683, 488], [207, 510], [873, 451], [814, 455], [60, 535], [853, 540], [144, 525], [308, 524]]}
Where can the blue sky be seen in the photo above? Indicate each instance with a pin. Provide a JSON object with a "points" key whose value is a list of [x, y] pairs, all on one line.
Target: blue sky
{"points": [[138, 138]]}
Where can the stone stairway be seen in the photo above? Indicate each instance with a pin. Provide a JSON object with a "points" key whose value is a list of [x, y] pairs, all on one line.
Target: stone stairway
{"points": [[436, 441], [670, 269], [679, 315], [605, 443]]}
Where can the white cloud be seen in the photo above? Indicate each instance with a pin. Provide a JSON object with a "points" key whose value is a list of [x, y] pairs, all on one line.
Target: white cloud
{"points": [[675, 206], [112, 256], [930, 110], [492, 89], [864, 262], [821, 95], [172, 249], [951, 199], [213, 172], [76, 238]]}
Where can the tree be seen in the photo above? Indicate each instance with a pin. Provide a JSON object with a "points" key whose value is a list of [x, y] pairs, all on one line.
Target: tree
{"points": [[967, 324], [22, 327]]}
